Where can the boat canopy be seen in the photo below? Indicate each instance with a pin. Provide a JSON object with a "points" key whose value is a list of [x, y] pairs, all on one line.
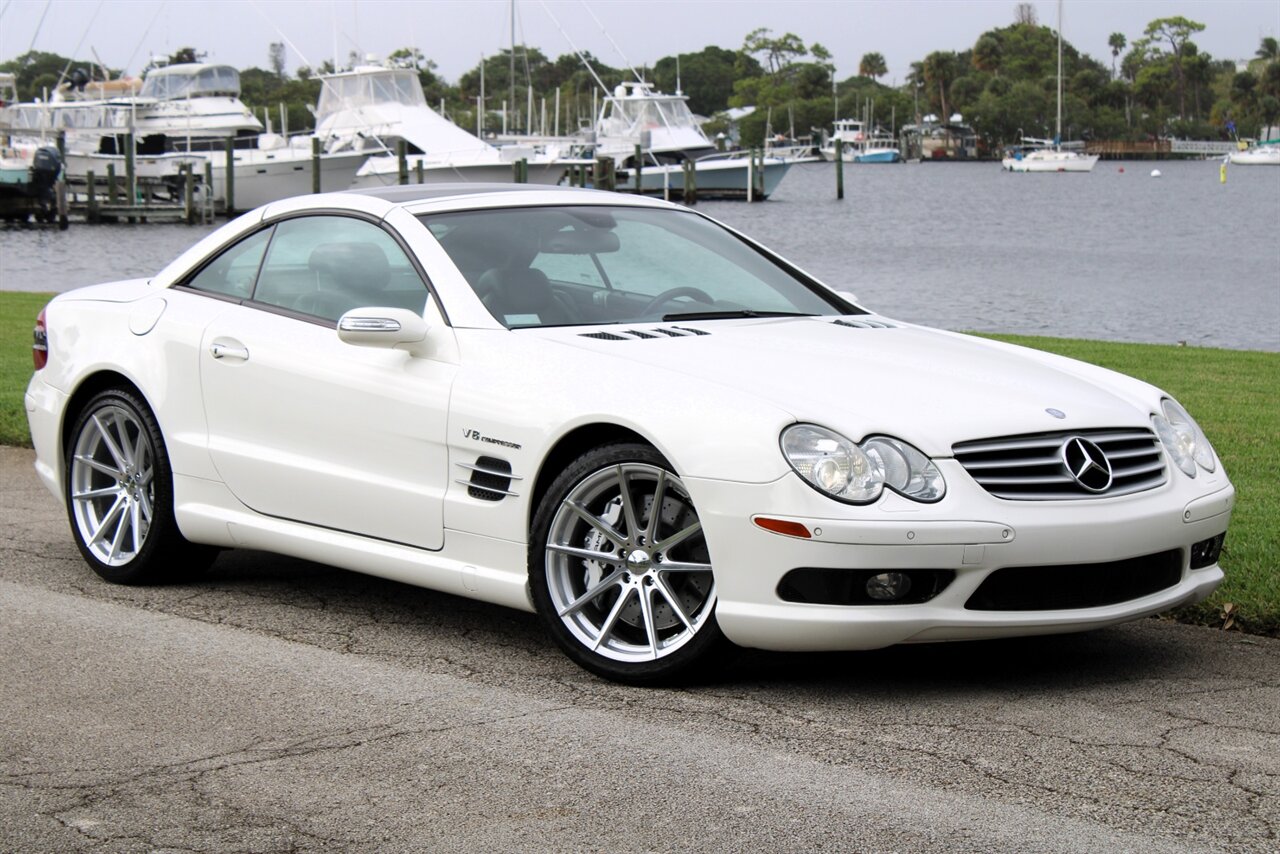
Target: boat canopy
{"points": [[367, 88], [191, 80], [635, 108], [91, 116]]}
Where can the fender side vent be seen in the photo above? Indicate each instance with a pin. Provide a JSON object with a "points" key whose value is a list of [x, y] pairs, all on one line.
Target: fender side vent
{"points": [[691, 330], [490, 479], [604, 336], [637, 333]]}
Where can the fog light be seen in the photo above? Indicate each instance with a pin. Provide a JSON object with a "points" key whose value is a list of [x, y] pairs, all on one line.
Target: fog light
{"points": [[888, 586]]}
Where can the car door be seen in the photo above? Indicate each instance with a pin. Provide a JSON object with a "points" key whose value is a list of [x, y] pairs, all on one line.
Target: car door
{"points": [[307, 428]]}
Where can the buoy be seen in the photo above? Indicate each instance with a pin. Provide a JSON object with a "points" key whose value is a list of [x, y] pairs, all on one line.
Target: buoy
{"points": [[1222, 173], [1121, 170], [1155, 173]]}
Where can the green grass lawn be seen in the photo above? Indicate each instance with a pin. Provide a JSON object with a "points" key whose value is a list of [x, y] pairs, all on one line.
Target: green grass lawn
{"points": [[1235, 395]]}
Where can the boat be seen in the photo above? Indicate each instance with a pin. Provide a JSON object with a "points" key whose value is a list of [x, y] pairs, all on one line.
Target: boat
{"points": [[1046, 155], [28, 183], [860, 145], [279, 168], [372, 108], [1264, 153], [1043, 155], [669, 136]]}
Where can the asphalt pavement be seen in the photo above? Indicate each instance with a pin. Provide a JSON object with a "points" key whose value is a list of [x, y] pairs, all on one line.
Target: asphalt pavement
{"points": [[278, 705]]}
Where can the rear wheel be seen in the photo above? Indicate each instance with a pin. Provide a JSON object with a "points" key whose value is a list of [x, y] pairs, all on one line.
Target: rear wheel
{"points": [[120, 495], [620, 570]]}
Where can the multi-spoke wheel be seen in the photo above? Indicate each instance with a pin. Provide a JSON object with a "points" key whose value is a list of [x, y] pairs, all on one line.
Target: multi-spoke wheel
{"points": [[120, 494], [619, 567]]}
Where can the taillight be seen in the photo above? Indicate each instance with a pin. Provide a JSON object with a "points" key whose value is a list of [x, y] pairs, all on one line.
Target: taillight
{"points": [[40, 342]]}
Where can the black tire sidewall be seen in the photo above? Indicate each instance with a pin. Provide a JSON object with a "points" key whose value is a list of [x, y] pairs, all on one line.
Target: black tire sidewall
{"points": [[679, 665]]}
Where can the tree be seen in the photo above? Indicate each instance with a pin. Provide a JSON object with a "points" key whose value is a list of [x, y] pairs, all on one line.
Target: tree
{"points": [[187, 54], [1117, 42], [778, 53], [707, 77], [873, 66], [987, 52], [939, 71], [275, 55], [1177, 32], [1269, 50], [1025, 14]]}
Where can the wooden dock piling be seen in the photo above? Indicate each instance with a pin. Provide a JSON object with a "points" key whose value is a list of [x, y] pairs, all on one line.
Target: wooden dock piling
{"points": [[839, 168], [315, 164]]}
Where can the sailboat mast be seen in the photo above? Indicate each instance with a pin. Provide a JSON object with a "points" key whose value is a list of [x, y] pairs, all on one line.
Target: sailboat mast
{"points": [[512, 69], [1057, 137]]}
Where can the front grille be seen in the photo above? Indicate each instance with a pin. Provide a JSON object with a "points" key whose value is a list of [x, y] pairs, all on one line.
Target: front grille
{"points": [[1034, 468], [1093, 585]]}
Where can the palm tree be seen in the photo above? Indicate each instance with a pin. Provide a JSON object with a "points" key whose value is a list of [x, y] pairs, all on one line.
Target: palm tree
{"points": [[872, 65], [1269, 49], [1117, 43], [939, 69]]}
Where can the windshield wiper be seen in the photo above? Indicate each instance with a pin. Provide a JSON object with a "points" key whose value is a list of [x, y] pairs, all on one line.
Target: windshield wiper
{"points": [[730, 314]]}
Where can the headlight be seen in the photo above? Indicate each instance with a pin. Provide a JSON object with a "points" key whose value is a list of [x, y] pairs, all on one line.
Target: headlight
{"points": [[1183, 438], [858, 473]]}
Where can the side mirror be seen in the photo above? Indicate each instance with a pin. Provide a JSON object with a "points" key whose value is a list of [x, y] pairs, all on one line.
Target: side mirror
{"points": [[848, 296], [387, 328]]}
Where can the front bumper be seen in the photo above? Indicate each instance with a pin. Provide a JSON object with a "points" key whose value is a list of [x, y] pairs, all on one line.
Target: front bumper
{"points": [[970, 533]]}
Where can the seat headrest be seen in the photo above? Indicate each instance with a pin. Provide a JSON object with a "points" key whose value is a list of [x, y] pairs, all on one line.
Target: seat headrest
{"points": [[351, 264]]}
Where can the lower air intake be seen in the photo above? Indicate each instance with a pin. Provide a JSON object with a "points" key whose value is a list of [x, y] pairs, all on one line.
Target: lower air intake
{"points": [[1093, 585]]}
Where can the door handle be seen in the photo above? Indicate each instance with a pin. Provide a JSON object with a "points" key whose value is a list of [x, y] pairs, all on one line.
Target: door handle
{"points": [[220, 351]]}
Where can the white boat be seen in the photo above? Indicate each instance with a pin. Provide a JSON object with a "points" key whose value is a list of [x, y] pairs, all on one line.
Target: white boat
{"points": [[194, 105], [1051, 156], [1046, 156], [280, 168], [665, 129], [1265, 153], [860, 145], [371, 108]]}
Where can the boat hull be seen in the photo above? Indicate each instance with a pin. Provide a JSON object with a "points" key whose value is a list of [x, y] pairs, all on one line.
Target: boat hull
{"points": [[262, 177], [1051, 161], [384, 171], [714, 179], [1269, 156]]}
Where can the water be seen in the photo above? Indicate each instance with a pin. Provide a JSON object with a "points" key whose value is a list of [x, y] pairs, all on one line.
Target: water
{"points": [[1111, 255]]}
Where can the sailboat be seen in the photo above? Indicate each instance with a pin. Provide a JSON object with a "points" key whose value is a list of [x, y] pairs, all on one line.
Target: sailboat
{"points": [[1042, 155]]}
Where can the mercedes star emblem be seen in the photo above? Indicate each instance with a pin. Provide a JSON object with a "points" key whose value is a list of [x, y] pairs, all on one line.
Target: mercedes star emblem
{"points": [[1087, 464]]}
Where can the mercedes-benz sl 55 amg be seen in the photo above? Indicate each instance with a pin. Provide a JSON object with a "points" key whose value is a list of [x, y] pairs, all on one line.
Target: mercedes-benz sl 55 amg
{"points": [[617, 413]]}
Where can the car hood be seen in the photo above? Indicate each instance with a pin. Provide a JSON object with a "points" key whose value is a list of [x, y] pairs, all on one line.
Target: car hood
{"points": [[928, 387]]}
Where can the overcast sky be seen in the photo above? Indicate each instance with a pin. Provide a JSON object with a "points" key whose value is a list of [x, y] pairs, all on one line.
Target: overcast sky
{"points": [[455, 33]]}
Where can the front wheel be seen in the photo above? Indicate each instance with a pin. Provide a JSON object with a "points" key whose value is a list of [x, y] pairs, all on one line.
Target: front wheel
{"points": [[120, 495], [619, 568]]}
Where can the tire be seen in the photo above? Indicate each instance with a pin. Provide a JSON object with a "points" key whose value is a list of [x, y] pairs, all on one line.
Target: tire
{"points": [[652, 616], [119, 493]]}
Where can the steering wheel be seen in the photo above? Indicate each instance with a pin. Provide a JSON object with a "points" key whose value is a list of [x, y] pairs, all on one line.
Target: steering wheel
{"points": [[675, 293]]}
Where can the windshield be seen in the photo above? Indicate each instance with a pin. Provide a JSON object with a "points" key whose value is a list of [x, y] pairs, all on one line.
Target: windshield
{"points": [[569, 265], [191, 81], [366, 89]]}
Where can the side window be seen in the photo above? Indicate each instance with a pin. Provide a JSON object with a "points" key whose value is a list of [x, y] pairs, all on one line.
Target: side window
{"points": [[327, 265], [232, 273]]}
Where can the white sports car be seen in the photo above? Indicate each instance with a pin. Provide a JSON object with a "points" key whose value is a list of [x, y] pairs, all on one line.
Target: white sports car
{"points": [[617, 413]]}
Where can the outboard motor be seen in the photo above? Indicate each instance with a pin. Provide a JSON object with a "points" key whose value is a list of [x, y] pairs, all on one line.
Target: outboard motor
{"points": [[46, 165]]}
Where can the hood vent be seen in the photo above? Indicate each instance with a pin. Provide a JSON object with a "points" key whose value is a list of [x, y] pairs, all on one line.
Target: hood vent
{"points": [[647, 334], [865, 324]]}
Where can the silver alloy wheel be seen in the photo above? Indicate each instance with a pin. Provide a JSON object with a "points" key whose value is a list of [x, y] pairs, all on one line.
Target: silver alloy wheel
{"points": [[112, 484], [627, 565]]}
